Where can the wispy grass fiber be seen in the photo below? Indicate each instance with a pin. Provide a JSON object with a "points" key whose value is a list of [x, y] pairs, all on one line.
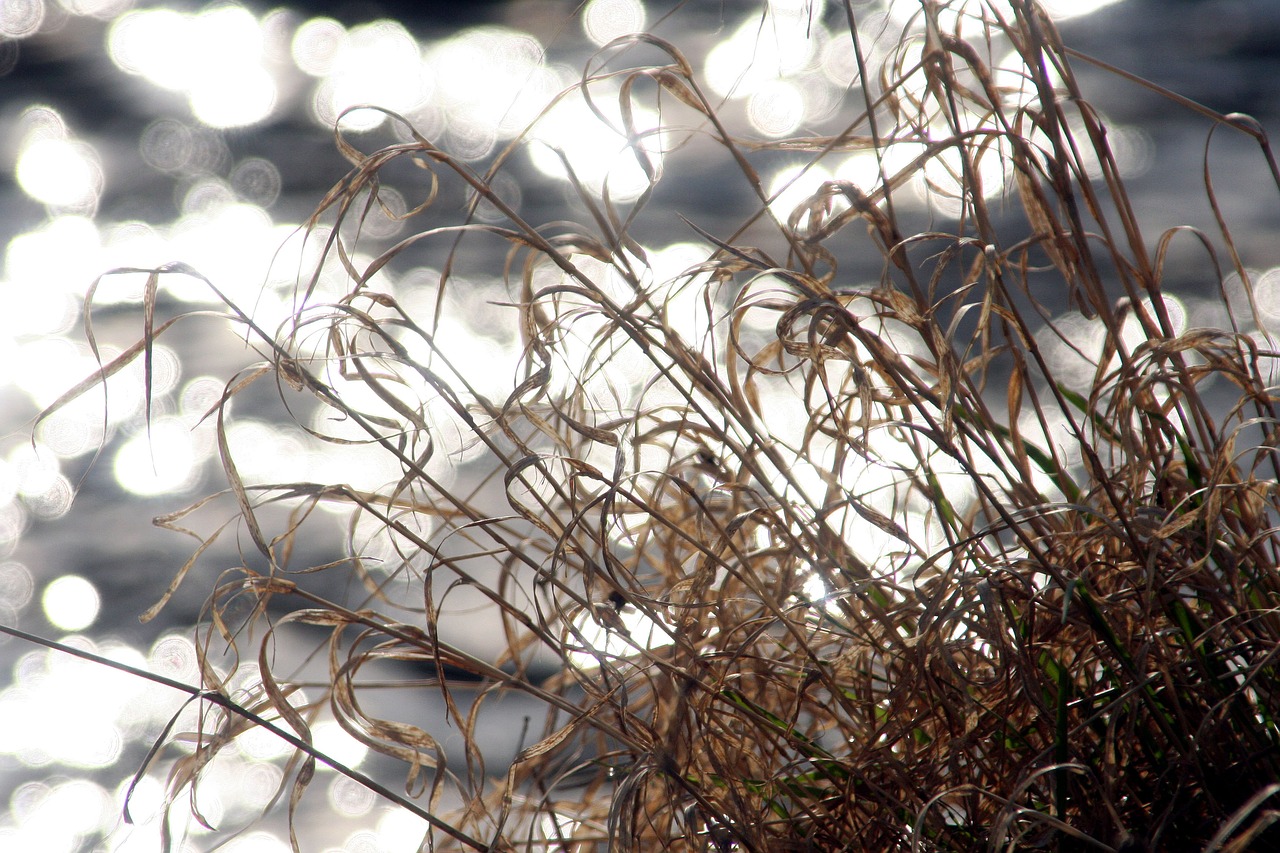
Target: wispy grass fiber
{"points": [[791, 560]]}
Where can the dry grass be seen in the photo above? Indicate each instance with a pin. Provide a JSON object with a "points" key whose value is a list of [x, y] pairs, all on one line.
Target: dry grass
{"points": [[783, 561]]}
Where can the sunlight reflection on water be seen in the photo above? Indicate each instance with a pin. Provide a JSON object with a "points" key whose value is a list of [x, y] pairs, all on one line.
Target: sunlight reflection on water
{"points": [[216, 58], [233, 68]]}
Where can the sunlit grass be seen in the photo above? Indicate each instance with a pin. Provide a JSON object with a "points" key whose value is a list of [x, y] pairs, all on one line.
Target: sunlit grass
{"points": [[782, 553]]}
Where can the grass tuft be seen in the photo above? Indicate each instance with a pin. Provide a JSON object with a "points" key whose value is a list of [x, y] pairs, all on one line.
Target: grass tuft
{"points": [[781, 556]]}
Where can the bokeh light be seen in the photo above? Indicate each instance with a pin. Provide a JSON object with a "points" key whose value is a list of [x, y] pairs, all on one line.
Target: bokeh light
{"points": [[21, 18], [601, 155], [332, 740], [256, 181], [375, 64], [59, 172], [56, 818], [492, 84], [605, 20], [50, 267], [164, 459], [52, 166], [268, 453], [471, 92], [168, 145], [102, 9], [776, 108], [317, 44], [71, 603], [16, 584], [174, 656], [758, 52], [214, 57], [348, 797], [400, 829], [792, 185]]}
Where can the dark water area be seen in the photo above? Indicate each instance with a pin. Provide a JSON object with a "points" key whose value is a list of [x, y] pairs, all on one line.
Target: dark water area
{"points": [[156, 175]]}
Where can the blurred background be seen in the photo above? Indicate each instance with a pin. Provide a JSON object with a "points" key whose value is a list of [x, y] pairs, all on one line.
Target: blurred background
{"points": [[134, 134]]}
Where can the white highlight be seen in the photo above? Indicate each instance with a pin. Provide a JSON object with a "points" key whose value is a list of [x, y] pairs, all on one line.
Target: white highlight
{"points": [[605, 20], [215, 58], [71, 603]]}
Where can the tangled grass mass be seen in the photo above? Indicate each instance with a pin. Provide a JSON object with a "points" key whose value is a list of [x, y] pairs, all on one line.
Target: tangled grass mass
{"points": [[783, 557]]}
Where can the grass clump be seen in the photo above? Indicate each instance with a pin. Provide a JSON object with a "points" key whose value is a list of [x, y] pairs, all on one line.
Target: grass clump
{"points": [[785, 557]]}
